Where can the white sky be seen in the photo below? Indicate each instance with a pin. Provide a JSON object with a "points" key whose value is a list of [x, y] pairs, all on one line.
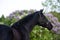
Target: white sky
{"points": [[8, 6]]}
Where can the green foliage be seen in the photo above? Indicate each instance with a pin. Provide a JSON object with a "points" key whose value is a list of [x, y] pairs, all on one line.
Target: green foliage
{"points": [[56, 15], [56, 37], [6, 21], [52, 5], [58, 1], [2, 18], [40, 33], [25, 11]]}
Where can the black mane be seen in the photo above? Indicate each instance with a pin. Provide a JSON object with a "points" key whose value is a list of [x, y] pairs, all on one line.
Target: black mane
{"points": [[24, 20]]}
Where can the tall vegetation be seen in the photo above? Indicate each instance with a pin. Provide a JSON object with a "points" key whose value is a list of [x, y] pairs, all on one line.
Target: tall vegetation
{"points": [[52, 5]]}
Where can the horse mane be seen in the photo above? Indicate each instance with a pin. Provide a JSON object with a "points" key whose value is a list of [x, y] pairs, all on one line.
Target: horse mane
{"points": [[23, 21]]}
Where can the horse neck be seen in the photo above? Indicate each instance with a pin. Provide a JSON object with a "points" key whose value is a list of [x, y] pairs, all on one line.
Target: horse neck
{"points": [[28, 26]]}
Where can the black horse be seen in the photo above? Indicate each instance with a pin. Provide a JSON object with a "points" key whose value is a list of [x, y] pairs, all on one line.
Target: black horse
{"points": [[21, 29], [25, 25]]}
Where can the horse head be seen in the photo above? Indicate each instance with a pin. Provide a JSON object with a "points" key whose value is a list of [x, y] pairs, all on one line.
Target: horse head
{"points": [[43, 21]]}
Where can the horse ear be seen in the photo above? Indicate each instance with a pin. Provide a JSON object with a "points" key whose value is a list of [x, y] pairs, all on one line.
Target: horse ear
{"points": [[41, 10]]}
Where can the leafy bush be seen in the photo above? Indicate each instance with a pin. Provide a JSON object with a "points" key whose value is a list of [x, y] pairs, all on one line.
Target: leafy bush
{"points": [[56, 15], [40, 33]]}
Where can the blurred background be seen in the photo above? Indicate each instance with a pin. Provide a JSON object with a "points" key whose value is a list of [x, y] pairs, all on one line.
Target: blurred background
{"points": [[13, 10]]}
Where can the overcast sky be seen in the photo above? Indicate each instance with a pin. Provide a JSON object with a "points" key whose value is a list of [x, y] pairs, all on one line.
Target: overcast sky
{"points": [[8, 6]]}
